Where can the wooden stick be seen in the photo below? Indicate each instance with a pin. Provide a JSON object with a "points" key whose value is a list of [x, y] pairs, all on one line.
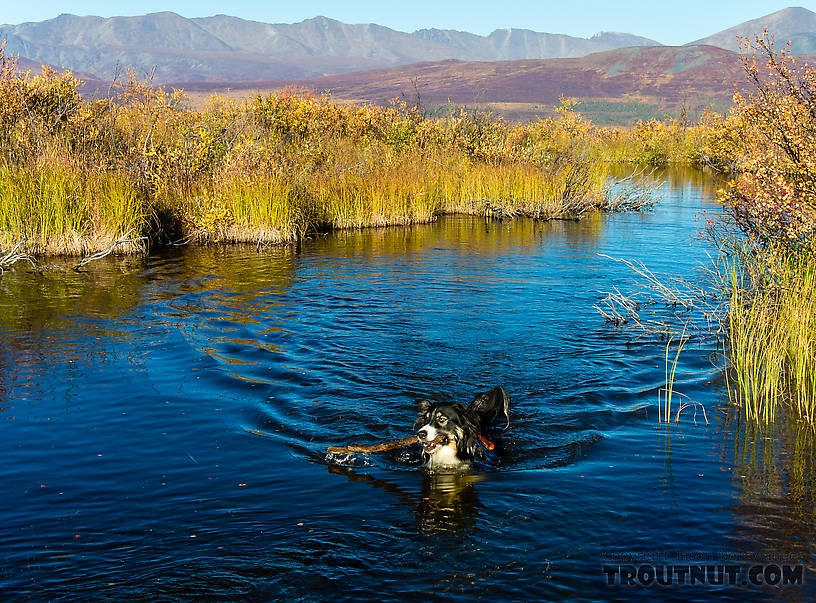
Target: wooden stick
{"points": [[368, 449]]}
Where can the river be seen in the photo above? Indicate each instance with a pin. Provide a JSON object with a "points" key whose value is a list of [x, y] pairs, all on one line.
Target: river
{"points": [[164, 421]]}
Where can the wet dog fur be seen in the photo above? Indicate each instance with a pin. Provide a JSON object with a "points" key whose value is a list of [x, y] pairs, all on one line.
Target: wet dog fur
{"points": [[460, 427]]}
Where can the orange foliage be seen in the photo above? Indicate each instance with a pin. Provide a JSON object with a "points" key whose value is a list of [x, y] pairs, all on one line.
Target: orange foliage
{"points": [[774, 197]]}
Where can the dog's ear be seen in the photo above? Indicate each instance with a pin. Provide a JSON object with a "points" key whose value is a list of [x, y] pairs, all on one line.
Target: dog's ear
{"points": [[422, 411], [490, 405]]}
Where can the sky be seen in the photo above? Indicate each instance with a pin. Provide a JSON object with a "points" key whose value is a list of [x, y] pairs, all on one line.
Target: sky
{"points": [[655, 19]]}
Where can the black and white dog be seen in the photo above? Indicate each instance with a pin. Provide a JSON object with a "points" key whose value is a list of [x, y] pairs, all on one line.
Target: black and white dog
{"points": [[450, 433]]}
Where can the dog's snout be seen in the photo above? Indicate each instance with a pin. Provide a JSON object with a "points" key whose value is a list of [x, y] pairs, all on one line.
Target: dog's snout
{"points": [[422, 434]]}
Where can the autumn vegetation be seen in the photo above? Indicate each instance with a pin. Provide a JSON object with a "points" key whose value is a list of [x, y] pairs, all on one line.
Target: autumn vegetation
{"points": [[77, 175]]}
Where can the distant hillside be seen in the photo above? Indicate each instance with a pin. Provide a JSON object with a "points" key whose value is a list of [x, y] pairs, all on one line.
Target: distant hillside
{"points": [[666, 78], [92, 86], [516, 44], [223, 48], [797, 25]]}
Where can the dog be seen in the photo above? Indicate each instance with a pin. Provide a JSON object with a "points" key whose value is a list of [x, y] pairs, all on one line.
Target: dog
{"points": [[449, 433]]}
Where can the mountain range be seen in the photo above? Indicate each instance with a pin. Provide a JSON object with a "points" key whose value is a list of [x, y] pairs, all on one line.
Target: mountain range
{"points": [[223, 48]]}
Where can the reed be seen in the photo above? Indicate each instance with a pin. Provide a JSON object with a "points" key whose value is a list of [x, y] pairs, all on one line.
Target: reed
{"points": [[60, 211], [772, 340], [262, 209]]}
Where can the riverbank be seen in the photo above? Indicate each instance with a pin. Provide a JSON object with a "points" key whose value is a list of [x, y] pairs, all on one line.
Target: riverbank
{"points": [[141, 168]]}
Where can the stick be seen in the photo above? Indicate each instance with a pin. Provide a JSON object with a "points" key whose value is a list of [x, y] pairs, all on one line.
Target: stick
{"points": [[14, 256], [368, 449]]}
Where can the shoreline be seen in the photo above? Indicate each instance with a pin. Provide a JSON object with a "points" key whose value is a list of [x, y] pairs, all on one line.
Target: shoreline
{"points": [[75, 246]]}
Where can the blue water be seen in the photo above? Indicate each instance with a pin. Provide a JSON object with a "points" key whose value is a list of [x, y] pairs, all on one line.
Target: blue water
{"points": [[164, 422]]}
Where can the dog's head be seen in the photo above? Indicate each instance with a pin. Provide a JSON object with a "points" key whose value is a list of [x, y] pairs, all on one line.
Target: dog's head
{"points": [[456, 428]]}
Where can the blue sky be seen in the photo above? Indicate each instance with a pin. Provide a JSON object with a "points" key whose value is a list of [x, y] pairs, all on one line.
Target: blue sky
{"points": [[670, 24]]}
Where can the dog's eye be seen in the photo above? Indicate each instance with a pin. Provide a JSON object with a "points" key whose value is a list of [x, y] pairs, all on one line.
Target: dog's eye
{"points": [[442, 419]]}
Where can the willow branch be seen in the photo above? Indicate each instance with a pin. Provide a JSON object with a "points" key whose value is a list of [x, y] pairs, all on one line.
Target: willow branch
{"points": [[368, 449]]}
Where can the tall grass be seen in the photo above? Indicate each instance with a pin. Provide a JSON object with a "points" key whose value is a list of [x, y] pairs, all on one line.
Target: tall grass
{"points": [[772, 340], [60, 211]]}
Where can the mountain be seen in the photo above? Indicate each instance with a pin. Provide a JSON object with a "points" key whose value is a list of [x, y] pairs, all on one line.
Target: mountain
{"points": [[223, 48], [321, 36], [514, 44], [796, 24]]}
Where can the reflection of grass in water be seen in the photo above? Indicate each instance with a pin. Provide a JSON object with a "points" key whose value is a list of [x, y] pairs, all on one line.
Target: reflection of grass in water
{"points": [[775, 472], [51, 298]]}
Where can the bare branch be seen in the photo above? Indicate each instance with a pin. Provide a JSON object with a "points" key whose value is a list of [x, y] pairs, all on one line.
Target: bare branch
{"points": [[633, 193], [14, 255], [123, 240], [682, 298]]}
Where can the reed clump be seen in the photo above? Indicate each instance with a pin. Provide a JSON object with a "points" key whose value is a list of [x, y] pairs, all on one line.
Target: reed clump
{"points": [[59, 211], [772, 339]]}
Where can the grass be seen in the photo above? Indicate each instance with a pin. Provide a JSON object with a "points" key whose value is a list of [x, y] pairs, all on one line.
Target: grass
{"points": [[772, 340], [664, 401], [59, 211]]}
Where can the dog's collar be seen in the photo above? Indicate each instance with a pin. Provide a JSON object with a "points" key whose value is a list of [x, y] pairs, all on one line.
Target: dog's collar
{"points": [[485, 442]]}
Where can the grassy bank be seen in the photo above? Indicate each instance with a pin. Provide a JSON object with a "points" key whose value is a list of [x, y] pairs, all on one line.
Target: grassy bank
{"points": [[76, 175]]}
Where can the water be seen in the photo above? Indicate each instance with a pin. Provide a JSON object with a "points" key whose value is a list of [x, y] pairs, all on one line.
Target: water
{"points": [[164, 422]]}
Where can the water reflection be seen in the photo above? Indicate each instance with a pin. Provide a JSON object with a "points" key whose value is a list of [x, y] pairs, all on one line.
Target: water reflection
{"points": [[446, 503], [449, 503], [465, 233], [31, 300], [775, 472], [681, 181]]}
